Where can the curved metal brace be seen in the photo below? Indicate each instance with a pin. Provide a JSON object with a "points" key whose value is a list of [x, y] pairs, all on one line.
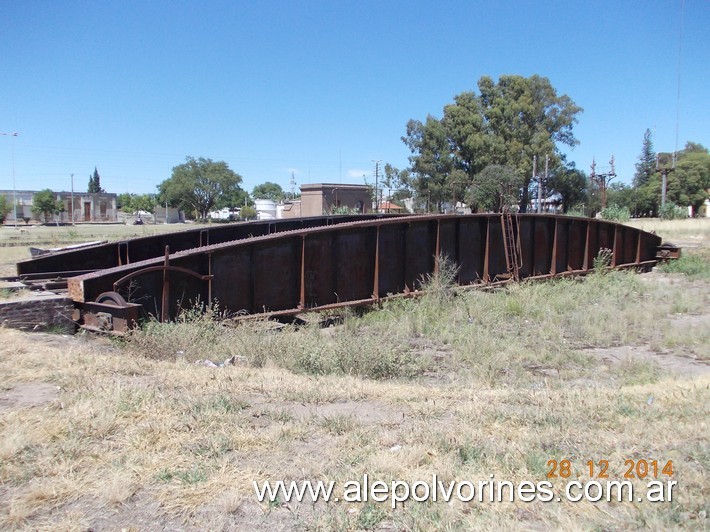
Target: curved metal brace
{"points": [[160, 269]]}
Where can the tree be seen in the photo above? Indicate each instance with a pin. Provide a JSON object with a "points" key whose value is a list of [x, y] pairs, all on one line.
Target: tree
{"points": [[45, 203], [132, 203], [433, 164], [143, 202], [5, 207], [694, 147], [95, 182], [396, 182], [474, 147], [234, 199], [689, 183], [248, 213], [570, 183], [506, 124], [646, 165], [268, 190], [623, 196], [123, 202], [199, 184], [494, 188], [526, 118]]}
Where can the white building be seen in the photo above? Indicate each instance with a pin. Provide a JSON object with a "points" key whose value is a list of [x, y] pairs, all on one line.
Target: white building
{"points": [[87, 207]]}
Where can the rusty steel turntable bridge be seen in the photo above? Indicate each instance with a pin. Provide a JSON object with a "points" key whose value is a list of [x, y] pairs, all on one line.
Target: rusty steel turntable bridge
{"points": [[286, 267]]}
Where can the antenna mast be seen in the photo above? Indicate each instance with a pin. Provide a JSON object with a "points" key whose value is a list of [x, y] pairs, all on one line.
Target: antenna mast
{"points": [[292, 182]]}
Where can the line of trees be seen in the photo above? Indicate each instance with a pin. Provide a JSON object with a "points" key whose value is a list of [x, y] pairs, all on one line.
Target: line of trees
{"points": [[483, 145], [687, 185], [480, 152], [134, 203]]}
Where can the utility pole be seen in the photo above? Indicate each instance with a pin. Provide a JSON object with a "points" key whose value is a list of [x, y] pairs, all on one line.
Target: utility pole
{"points": [[12, 151], [602, 180], [71, 210], [292, 182], [664, 179], [539, 185], [547, 165], [377, 181]]}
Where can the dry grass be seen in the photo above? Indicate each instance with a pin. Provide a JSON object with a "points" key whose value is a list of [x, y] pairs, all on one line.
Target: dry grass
{"points": [[693, 232], [135, 435]]}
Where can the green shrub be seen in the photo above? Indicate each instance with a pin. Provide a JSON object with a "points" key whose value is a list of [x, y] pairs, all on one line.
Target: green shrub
{"points": [[248, 213], [671, 211], [694, 266], [602, 261], [615, 213]]}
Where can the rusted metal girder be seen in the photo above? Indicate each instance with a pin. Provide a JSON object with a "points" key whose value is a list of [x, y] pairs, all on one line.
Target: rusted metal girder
{"points": [[108, 255], [361, 262]]}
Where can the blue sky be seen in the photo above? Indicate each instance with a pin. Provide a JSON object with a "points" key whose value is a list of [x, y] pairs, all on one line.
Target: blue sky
{"points": [[322, 88]]}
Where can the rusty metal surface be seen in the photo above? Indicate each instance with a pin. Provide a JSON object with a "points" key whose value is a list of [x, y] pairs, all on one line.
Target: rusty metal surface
{"points": [[356, 262], [108, 255]]}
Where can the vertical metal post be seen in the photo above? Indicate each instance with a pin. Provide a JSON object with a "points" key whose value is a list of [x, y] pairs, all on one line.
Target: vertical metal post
{"points": [[121, 246], [302, 300], [164, 314], [486, 253], [585, 264], [209, 280], [437, 249], [376, 280], [71, 210], [553, 261]]}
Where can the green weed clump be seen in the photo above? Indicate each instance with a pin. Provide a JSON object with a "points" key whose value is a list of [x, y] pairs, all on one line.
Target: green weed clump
{"points": [[671, 211], [602, 261], [695, 266], [615, 213]]}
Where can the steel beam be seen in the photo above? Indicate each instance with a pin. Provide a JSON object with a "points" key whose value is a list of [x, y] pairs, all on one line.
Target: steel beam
{"points": [[355, 262]]}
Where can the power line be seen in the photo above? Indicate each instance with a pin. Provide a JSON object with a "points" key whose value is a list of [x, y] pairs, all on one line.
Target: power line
{"points": [[680, 49]]}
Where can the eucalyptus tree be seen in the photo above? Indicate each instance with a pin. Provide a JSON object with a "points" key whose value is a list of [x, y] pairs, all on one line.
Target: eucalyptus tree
{"points": [[506, 124]]}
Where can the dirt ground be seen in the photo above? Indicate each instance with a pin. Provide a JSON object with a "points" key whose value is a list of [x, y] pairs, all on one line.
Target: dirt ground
{"points": [[93, 438]]}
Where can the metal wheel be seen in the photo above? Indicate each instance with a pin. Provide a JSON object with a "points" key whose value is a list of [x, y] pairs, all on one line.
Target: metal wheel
{"points": [[111, 298]]}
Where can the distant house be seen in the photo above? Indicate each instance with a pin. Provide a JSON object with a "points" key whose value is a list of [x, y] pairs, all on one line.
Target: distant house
{"points": [[88, 207], [325, 198], [389, 207], [551, 204]]}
